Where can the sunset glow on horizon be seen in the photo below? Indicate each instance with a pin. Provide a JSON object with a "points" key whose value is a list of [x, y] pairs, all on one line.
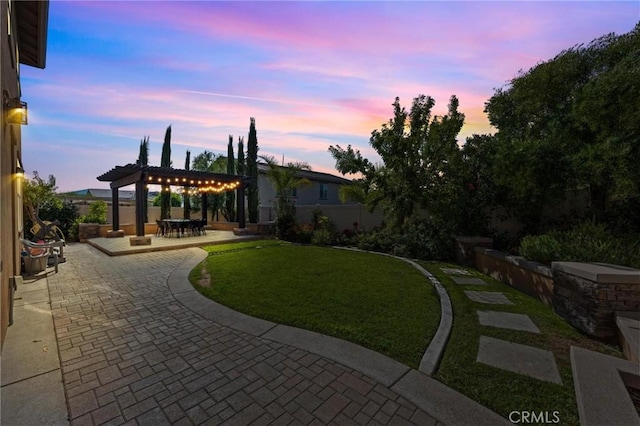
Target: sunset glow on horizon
{"points": [[313, 74]]}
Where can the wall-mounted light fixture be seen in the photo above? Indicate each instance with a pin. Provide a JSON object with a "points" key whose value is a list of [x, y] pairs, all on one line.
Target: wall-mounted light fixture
{"points": [[19, 168], [17, 111]]}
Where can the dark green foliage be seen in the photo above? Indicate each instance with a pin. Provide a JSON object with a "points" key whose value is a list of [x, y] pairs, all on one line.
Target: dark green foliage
{"points": [[186, 197], [324, 229], [417, 239], [252, 172], [541, 248], [242, 164], [567, 123], [165, 161], [143, 159], [230, 196], [65, 212], [97, 214], [586, 242], [174, 199]]}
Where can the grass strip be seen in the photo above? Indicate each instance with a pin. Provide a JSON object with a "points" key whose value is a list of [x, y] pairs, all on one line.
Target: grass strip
{"points": [[375, 301], [500, 390]]}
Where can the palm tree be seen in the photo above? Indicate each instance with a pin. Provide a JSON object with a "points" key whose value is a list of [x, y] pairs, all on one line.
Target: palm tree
{"points": [[285, 179]]}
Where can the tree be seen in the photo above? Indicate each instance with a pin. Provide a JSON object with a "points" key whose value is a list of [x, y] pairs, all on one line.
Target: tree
{"points": [[252, 172], [36, 192], [209, 162], [186, 197], [285, 179], [175, 200], [571, 123], [242, 165], [230, 196], [143, 159], [419, 154], [165, 161]]}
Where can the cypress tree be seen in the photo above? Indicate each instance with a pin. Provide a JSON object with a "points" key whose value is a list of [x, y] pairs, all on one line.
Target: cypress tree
{"points": [[143, 159], [165, 161], [230, 196], [252, 172], [186, 197]]}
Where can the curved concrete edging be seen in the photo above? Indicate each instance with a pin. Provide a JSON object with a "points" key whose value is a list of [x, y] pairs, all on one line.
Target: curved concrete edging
{"points": [[438, 400], [433, 354]]}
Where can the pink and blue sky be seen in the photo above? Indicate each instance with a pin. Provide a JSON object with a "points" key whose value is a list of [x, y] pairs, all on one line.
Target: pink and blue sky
{"points": [[313, 74]]}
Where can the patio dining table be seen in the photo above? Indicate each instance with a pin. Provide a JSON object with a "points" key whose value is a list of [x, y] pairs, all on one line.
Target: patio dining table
{"points": [[181, 224]]}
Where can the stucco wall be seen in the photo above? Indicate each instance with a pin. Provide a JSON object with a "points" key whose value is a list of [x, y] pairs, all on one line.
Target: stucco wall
{"points": [[10, 203]]}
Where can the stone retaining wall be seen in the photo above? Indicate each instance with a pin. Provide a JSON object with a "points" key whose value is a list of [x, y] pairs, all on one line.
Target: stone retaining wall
{"points": [[87, 231], [531, 278], [588, 295]]}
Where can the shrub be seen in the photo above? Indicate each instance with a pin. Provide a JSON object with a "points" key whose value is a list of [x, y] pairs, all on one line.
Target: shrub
{"points": [[97, 214], [65, 212], [322, 237], [304, 232], [589, 242], [586, 242], [541, 248], [419, 239]]}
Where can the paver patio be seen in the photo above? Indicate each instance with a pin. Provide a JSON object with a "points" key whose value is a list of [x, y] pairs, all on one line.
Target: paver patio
{"points": [[131, 353]]}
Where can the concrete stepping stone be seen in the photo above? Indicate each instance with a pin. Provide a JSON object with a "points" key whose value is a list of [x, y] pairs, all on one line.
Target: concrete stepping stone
{"points": [[454, 271], [468, 281], [507, 320], [491, 297], [522, 359]]}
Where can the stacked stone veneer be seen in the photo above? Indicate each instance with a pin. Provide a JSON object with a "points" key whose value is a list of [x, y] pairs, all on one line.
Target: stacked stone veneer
{"points": [[87, 231], [588, 295]]}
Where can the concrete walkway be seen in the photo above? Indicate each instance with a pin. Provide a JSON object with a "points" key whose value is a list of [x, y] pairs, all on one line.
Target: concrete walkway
{"points": [[138, 346]]}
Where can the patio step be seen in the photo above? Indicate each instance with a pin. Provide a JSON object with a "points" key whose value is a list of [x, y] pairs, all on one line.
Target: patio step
{"points": [[629, 331]]}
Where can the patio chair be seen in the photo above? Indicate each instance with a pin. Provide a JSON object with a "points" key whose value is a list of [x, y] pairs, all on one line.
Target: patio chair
{"points": [[37, 254], [161, 228]]}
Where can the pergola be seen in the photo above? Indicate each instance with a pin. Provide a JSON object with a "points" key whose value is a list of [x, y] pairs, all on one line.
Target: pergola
{"points": [[141, 176]]}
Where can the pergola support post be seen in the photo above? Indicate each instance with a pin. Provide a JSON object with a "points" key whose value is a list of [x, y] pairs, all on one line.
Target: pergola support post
{"points": [[115, 210], [140, 208], [240, 200], [205, 207]]}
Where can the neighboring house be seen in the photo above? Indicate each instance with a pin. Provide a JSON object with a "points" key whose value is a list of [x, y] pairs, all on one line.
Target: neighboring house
{"points": [[323, 193], [23, 29], [323, 189], [84, 196]]}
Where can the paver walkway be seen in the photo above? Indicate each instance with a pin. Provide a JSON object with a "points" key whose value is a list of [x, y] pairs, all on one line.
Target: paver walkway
{"points": [[132, 354]]}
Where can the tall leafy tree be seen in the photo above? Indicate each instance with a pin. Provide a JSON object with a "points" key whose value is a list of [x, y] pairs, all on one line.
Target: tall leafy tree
{"points": [[285, 179], [165, 161], [419, 158], [143, 159], [186, 197], [252, 172], [230, 196], [569, 123]]}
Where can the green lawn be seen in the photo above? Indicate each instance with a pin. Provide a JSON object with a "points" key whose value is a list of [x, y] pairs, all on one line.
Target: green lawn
{"points": [[501, 390], [379, 302]]}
